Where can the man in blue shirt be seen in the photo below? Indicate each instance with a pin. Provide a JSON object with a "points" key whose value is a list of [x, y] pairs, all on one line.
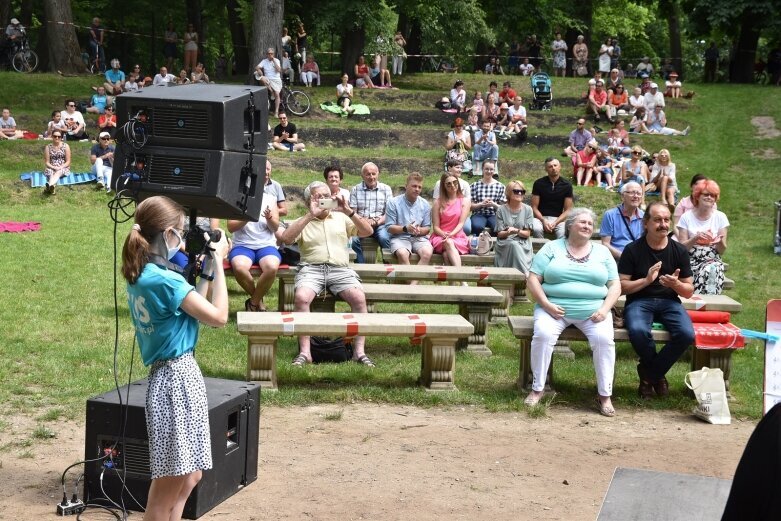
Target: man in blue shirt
{"points": [[624, 223], [408, 220], [115, 78]]}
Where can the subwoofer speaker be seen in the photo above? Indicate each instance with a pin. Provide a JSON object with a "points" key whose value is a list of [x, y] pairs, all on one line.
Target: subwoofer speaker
{"points": [[112, 459], [213, 182], [218, 117]]}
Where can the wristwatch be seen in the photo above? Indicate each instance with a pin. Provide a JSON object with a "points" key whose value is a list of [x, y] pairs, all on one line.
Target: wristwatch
{"points": [[404, 228]]}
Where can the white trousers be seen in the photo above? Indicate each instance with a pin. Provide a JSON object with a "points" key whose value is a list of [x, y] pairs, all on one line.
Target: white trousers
{"points": [[398, 63], [309, 78], [600, 337], [102, 171]]}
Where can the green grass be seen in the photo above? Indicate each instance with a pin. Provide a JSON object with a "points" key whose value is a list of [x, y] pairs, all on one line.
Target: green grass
{"points": [[57, 322]]}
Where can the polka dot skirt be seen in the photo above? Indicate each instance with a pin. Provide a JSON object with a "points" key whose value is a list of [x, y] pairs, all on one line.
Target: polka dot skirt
{"points": [[177, 418]]}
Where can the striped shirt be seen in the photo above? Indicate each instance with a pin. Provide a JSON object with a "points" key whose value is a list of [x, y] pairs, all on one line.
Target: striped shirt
{"points": [[370, 203]]}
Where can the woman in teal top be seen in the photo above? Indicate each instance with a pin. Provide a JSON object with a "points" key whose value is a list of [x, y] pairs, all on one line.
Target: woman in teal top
{"points": [[166, 311], [574, 282]]}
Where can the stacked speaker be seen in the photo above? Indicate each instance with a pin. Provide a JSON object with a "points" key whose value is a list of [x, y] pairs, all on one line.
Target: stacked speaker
{"points": [[202, 145]]}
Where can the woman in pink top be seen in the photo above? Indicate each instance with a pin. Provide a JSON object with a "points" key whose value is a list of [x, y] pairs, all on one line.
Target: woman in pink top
{"points": [[448, 217]]}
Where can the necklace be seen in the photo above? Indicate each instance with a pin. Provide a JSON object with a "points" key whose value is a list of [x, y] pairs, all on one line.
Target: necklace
{"points": [[579, 260]]}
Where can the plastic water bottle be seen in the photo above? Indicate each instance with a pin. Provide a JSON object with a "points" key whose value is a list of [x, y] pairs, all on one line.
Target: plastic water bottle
{"points": [[473, 244]]}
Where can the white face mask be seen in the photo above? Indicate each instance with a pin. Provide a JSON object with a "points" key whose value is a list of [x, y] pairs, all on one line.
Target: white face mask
{"points": [[172, 251]]}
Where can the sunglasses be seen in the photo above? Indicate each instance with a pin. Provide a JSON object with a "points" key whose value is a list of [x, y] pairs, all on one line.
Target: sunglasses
{"points": [[57, 136], [519, 192], [635, 153], [105, 139], [451, 183], [71, 105]]}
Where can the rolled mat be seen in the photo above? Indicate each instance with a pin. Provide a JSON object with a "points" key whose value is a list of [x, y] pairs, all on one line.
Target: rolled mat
{"points": [[709, 317], [37, 179], [18, 227]]}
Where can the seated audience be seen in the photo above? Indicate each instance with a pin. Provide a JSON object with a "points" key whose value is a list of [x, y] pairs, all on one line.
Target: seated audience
{"points": [[458, 143], [574, 282], [473, 120], [115, 79], [74, 120], [513, 230], [286, 136], [57, 158], [344, 94], [636, 100], [672, 86], [182, 79], [655, 272], [578, 139], [507, 94], [458, 97], [478, 103], [656, 122], [310, 72], [98, 102], [518, 116], [490, 109], [635, 169], [102, 158], [380, 77], [163, 77], [703, 231], [662, 178], [455, 169], [638, 123], [131, 85], [199, 74], [624, 223], [604, 169], [56, 123], [526, 68], [324, 267], [614, 79], [369, 198], [333, 178], [254, 243], [584, 162], [485, 143], [408, 218], [597, 102], [645, 67], [552, 198], [653, 98], [619, 100], [685, 204], [487, 195], [448, 216], [8, 128], [107, 122], [363, 79]]}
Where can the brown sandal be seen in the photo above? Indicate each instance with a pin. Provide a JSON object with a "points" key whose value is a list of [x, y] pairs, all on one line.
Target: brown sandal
{"points": [[249, 306]]}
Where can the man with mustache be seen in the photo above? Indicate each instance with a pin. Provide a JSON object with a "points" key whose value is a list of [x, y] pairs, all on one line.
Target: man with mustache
{"points": [[654, 272]]}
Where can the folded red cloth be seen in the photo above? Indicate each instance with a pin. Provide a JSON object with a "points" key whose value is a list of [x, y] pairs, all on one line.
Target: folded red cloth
{"points": [[718, 336], [16, 227], [709, 317]]}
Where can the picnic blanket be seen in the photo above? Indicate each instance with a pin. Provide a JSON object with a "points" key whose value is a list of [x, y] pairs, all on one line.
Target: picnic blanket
{"points": [[358, 109], [37, 179], [18, 227]]}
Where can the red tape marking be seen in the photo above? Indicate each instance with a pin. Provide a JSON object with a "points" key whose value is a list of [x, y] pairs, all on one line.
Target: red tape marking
{"points": [[441, 273], [351, 330], [420, 329], [483, 274]]}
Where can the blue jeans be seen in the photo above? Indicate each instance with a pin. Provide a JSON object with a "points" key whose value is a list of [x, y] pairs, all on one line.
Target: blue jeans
{"points": [[480, 221], [381, 235], [638, 317], [481, 154]]}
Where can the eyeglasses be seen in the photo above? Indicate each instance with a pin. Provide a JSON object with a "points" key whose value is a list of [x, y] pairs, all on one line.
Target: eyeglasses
{"points": [[634, 193], [708, 194], [519, 192]]}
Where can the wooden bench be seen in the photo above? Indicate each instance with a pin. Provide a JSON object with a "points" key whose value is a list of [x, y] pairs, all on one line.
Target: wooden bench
{"points": [[437, 333], [523, 329], [502, 280], [474, 304]]}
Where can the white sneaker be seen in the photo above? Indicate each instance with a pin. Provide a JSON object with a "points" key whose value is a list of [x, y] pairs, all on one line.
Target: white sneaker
{"points": [[100, 184]]}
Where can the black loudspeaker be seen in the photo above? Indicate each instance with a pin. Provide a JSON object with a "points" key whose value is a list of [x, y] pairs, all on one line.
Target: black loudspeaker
{"points": [[234, 417], [216, 117], [210, 181]]}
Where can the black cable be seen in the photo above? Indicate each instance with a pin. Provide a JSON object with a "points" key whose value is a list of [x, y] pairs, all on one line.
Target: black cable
{"points": [[116, 516]]}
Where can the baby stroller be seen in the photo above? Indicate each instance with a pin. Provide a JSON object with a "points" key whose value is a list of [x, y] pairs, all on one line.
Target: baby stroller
{"points": [[542, 95]]}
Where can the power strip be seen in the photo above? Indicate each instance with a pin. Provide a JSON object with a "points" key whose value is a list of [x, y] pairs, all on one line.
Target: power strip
{"points": [[71, 508]]}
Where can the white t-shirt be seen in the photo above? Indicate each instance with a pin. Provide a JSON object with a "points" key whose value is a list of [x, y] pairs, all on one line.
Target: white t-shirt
{"points": [[269, 70], [521, 112], [162, 80], [341, 89], [669, 170], [75, 116], [717, 221], [526, 68], [464, 189]]}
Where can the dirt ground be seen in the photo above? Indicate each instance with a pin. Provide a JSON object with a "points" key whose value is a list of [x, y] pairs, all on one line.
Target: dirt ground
{"points": [[386, 462]]}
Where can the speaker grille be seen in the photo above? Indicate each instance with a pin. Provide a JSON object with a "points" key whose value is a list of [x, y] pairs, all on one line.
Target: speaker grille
{"points": [[137, 458], [177, 170], [178, 123]]}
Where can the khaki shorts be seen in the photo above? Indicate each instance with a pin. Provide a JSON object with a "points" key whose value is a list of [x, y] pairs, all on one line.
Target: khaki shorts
{"points": [[319, 277]]}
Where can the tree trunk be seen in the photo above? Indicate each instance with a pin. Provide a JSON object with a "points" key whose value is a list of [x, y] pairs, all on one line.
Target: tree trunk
{"points": [[266, 30], [25, 13], [42, 44], [5, 12], [64, 50], [238, 36], [741, 68], [414, 47], [671, 10], [353, 39], [193, 10]]}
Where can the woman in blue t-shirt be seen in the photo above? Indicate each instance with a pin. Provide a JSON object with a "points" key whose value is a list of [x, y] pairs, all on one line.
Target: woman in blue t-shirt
{"points": [[166, 311], [574, 282]]}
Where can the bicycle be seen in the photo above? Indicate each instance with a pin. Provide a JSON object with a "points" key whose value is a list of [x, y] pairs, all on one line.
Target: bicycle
{"points": [[22, 57], [760, 74], [295, 101]]}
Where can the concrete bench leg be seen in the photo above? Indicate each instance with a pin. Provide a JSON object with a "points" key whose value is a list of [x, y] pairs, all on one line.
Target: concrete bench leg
{"points": [[499, 314], [715, 359], [563, 349], [525, 376], [438, 364], [520, 293], [261, 361], [286, 297], [478, 316], [369, 247]]}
